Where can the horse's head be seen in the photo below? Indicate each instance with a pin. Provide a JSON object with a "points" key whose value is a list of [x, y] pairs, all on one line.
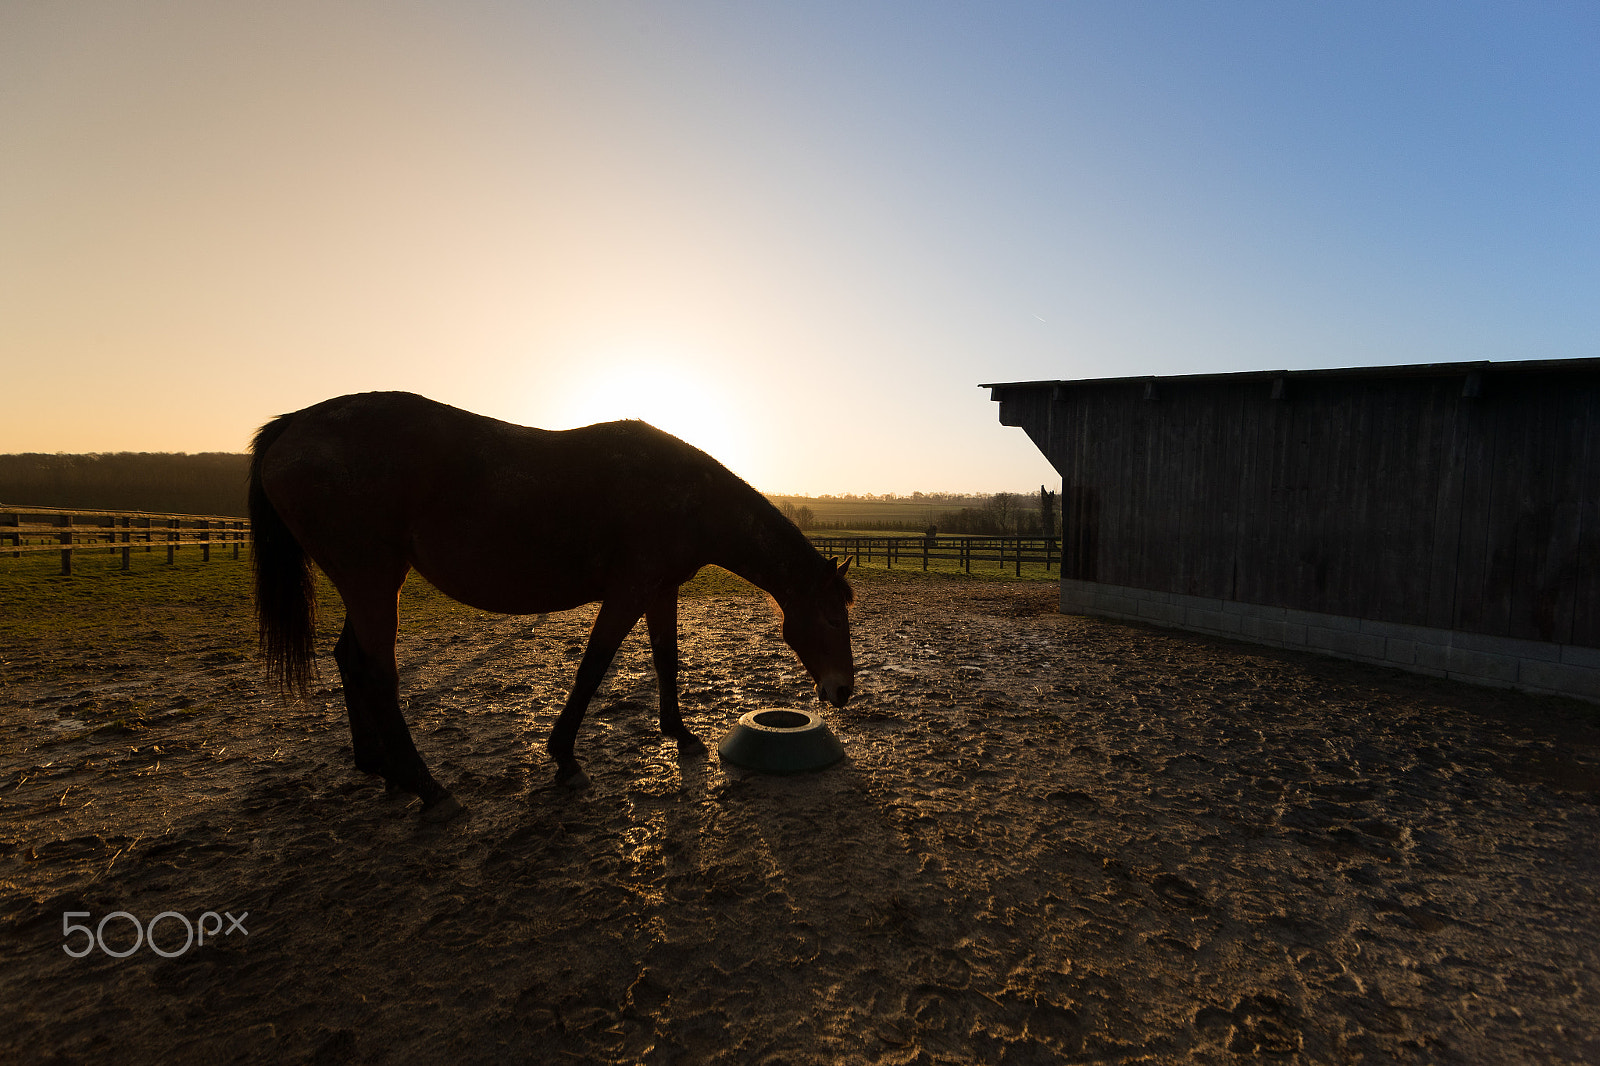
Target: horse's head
{"points": [[816, 624]]}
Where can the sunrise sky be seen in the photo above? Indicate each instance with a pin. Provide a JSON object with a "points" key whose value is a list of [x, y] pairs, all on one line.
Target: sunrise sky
{"points": [[797, 234]]}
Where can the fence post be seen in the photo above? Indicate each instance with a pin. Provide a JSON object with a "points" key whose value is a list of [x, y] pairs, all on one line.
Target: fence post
{"points": [[66, 546], [205, 545], [172, 539]]}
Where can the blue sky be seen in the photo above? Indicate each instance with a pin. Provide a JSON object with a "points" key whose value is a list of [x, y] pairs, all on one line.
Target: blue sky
{"points": [[796, 234]]}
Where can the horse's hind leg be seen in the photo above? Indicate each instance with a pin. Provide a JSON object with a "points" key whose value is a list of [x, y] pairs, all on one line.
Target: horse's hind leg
{"points": [[372, 693], [662, 618], [364, 735]]}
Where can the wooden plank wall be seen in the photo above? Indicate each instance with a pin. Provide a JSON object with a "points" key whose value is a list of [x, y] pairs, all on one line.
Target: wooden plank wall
{"points": [[1386, 496]]}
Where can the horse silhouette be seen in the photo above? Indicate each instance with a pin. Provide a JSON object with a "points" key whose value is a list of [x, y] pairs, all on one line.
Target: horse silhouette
{"points": [[515, 520]]}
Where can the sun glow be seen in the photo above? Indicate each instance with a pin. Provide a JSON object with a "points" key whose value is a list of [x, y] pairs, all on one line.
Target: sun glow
{"points": [[684, 402]]}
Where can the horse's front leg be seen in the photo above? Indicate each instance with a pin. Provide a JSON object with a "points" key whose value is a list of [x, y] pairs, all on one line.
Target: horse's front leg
{"points": [[661, 616], [611, 627]]}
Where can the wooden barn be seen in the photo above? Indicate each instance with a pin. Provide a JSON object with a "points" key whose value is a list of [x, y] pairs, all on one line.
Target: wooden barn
{"points": [[1441, 518]]}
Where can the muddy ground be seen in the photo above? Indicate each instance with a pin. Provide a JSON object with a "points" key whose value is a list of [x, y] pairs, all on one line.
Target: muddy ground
{"points": [[1055, 839]]}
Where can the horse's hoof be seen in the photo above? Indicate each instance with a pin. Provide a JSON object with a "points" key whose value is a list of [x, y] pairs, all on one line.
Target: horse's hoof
{"points": [[691, 746], [442, 809], [574, 780]]}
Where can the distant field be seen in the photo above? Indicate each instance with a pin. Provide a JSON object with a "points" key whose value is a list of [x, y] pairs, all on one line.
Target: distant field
{"points": [[873, 563], [907, 513]]}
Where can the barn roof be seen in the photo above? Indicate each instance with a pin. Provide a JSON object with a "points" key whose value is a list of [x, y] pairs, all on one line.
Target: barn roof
{"points": [[1534, 366]]}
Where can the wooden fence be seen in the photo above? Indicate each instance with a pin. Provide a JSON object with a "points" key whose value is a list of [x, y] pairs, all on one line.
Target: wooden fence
{"points": [[37, 529], [40, 529], [963, 550]]}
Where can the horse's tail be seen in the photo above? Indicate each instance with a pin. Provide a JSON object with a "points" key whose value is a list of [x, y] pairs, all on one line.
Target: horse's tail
{"points": [[286, 593]]}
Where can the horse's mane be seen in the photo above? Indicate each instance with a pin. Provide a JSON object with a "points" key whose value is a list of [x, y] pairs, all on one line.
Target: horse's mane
{"points": [[773, 522]]}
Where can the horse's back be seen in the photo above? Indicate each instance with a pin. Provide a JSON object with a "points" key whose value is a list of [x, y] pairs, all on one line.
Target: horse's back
{"points": [[418, 437], [402, 476], [371, 453]]}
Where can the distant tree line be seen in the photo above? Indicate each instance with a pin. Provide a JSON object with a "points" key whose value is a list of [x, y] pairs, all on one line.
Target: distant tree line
{"points": [[801, 516], [1005, 514], [164, 482], [214, 483], [913, 498]]}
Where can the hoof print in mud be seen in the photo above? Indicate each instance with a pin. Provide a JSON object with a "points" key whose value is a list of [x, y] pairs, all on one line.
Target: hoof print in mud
{"points": [[574, 781], [443, 809]]}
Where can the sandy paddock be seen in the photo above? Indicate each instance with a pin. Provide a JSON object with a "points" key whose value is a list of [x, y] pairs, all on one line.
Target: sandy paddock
{"points": [[1055, 839]]}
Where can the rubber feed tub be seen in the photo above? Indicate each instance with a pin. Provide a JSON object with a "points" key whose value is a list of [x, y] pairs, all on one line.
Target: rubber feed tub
{"points": [[780, 742]]}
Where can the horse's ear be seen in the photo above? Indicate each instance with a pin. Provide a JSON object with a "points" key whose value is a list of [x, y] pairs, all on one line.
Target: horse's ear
{"points": [[840, 568]]}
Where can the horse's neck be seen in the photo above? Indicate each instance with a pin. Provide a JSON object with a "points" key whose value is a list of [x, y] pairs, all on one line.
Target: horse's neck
{"points": [[760, 545]]}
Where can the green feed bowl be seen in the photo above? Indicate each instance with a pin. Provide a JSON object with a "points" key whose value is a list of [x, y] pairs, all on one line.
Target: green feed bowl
{"points": [[780, 742]]}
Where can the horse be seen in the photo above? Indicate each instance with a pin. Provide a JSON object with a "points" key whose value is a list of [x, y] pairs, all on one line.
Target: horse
{"points": [[514, 520]]}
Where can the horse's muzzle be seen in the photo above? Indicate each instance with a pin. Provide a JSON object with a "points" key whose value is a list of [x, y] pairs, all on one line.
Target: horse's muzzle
{"points": [[838, 695]]}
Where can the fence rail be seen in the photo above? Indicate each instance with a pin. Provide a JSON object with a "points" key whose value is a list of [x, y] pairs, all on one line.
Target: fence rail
{"points": [[964, 550], [38, 529]]}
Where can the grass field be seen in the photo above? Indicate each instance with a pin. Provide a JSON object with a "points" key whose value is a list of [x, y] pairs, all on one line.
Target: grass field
{"points": [[103, 604], [57, 622]]}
